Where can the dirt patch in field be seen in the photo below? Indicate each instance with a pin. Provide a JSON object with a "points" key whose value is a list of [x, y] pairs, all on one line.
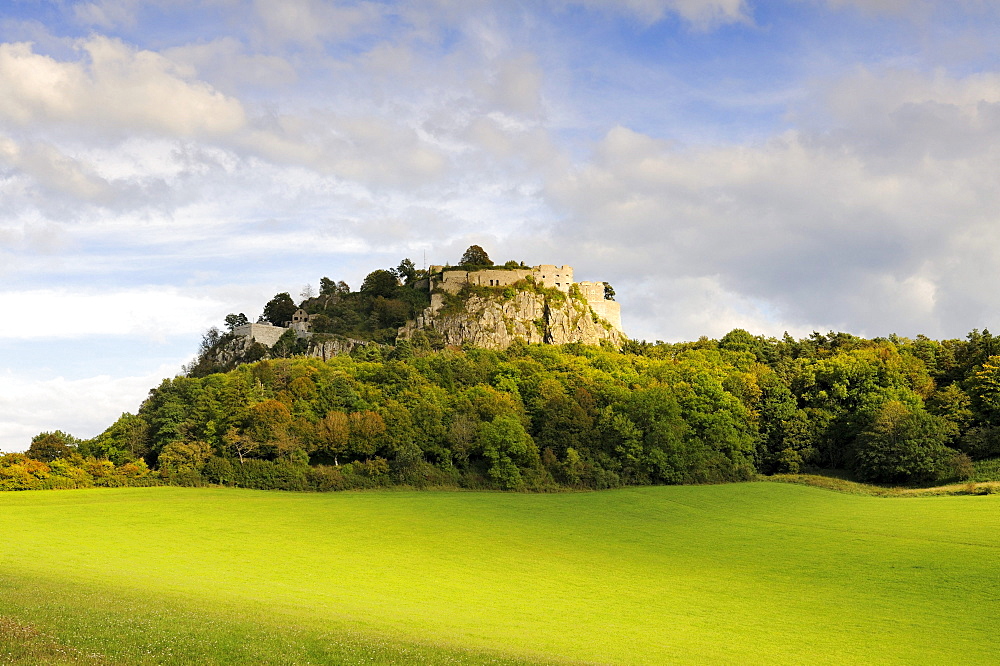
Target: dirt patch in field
{"points": [[23, 644], [856, 488]]}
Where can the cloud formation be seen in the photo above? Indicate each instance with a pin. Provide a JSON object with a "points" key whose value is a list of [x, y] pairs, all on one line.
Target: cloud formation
{"points": [[113, 88]]}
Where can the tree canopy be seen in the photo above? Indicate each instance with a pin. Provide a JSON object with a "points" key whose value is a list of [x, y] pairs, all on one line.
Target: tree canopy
{"points": [[279, 310], [475, 256]]}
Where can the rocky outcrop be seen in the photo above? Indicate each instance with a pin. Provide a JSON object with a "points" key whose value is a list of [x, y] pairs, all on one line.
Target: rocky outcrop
{"points": [[494, 321], [233, 350], [325, 347]]}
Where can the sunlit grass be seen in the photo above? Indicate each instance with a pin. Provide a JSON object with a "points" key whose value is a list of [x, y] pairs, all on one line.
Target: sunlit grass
{"points": [[759, 572]]}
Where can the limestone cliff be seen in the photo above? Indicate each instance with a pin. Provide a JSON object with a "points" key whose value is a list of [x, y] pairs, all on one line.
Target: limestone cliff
{"points": [[494, 320], [232, 350]]}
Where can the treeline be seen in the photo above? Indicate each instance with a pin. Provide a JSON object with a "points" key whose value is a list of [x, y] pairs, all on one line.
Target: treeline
{"points": [[540, 417], [56, 460]]}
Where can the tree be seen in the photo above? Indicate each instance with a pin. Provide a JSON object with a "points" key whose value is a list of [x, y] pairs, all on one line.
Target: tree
{"points": [[367, 432], [902, 443], [239, 443], [609, 292], [235, 320], [475, 256], [180, 456], [508, 448], [739, 340], [327, 287], [279, 310], [407, 271], [333, 433], [125, 440], [307, 292], [380, 283], [286, 345], [49, 446], [389, 313]]}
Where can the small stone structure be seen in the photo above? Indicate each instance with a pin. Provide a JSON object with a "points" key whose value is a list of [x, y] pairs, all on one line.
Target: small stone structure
{"points": [[265, 334], [300, 323]]}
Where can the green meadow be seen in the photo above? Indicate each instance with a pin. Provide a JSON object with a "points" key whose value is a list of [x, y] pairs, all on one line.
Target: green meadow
{"points": [[738, 573]]}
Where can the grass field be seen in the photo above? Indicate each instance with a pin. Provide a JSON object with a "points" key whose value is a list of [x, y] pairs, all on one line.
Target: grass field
{"points": [[740, 573]]}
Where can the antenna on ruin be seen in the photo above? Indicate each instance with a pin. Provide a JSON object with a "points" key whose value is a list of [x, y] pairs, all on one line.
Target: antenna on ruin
{"points": [[425, 261]]}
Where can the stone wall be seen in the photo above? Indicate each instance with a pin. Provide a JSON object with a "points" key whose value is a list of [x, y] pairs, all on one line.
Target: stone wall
{"points": [[554, 277], [265, 334], [452, 280], [609, 311]]}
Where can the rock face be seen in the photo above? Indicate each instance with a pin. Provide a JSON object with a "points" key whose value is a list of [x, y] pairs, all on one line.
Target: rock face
{"points": [[240, 349], [336, 346], [495, 321]]}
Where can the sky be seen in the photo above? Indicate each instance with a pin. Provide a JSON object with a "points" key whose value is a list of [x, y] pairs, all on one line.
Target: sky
{"points": [[773, 165]]}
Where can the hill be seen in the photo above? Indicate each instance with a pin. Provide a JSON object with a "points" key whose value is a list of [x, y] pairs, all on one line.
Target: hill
{"points": [[475, 303]]}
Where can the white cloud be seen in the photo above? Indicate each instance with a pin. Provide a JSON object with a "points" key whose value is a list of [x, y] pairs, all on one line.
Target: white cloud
{"points": [[153, 312], [54, 171], [863, 226], [82, 407], [115, 88]]}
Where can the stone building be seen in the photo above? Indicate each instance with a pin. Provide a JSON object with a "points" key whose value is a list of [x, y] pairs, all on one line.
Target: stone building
{"points": [[300, 323], [267, 335]]}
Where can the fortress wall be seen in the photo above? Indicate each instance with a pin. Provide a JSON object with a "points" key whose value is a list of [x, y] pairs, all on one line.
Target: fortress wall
{"points": [[265, 334], [610, 311], [498, 278], [452, 281], [592, 291], [549, 275]]}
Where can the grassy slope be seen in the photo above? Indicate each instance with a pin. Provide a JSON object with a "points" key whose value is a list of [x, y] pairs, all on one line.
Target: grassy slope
{"points": [[733, 573]]}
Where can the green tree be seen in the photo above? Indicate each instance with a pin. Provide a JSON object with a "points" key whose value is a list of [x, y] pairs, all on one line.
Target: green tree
{"points": [[279, 310], [49, 446], [902, 443], [368, 431], [406, 271], [380, 283], [235, 320], [333, 433], [509, 449], [127, 439], [286, 345], [178, 457], [609, 292], [475, 256]]}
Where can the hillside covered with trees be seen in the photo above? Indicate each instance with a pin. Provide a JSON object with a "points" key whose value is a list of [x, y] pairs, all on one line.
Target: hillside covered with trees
{"points": [[540, 417]]}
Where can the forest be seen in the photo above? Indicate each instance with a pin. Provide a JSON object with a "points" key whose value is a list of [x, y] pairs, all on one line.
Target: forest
{"points": [[541, 417]]}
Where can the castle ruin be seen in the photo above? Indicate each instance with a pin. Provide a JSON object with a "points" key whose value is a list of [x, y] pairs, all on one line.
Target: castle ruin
{"points": [[445, 279]]}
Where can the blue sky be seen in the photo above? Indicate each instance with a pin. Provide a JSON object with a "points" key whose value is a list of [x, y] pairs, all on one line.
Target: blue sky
{"points": [[779, 166]]}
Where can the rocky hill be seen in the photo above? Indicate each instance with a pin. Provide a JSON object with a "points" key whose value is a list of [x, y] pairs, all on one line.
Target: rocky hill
{"points": [[475, 303], [495, 318]]}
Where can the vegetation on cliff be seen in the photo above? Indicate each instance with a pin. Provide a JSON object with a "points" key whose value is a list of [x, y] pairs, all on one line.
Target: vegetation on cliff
{"points": [[540, 416]]}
